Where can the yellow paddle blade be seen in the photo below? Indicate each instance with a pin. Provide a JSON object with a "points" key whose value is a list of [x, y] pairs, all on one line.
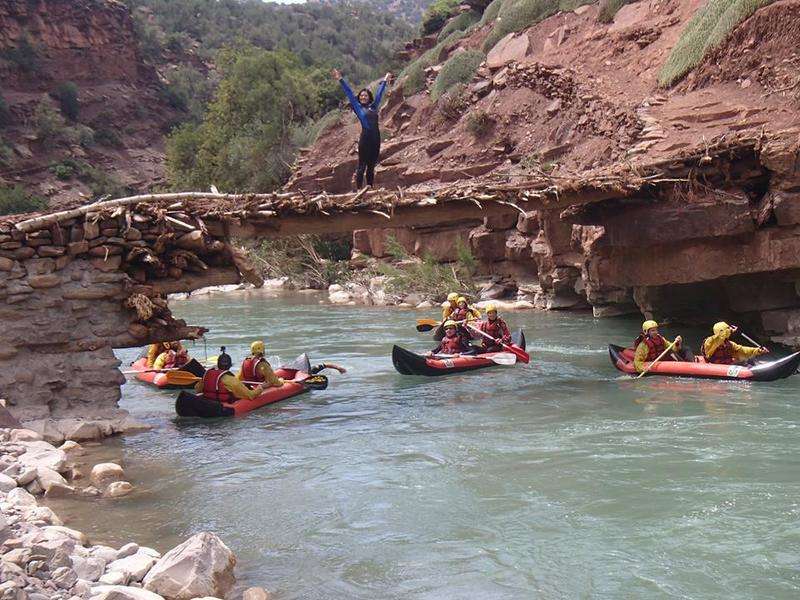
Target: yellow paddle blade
{"points": [[181, 378], [433, 322]]}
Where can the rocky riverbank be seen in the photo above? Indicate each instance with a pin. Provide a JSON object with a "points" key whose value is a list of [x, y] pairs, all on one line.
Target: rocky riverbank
{"points": [[41, 559]]}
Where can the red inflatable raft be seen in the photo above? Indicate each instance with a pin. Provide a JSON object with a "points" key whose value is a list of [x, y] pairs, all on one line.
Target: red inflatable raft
{"points": [[410, 363], [622, 359], [161, 379], [191, 405]]}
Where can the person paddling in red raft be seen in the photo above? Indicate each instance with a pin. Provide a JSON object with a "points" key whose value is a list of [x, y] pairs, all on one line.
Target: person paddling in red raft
{"points": [[651, 344], [495, 327], [221, 385], [720, 350], [256, 368], [453, 343]]}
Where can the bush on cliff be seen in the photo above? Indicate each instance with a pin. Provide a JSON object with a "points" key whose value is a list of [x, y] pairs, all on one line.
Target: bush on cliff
{"points": [[491, 12], [47, 120], [24, 56], [518, 15], [414, 73], [14, 200], [5, 112], [462, 22], [459, 68], [67, 96], [708, 29], [436, 15]]}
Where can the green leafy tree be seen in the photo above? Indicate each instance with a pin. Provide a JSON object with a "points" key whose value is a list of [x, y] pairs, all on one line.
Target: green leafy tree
{"points": [[245, 140], [67, 96]]}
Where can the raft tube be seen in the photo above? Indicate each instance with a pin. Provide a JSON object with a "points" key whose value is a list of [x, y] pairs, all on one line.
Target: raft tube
{"points": [[410, 363], [191, 405], [622, 359], [147, 375]]}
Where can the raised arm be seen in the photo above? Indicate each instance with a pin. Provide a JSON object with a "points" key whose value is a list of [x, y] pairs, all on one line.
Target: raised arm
{"points": [[380, 92], [359, 110]]}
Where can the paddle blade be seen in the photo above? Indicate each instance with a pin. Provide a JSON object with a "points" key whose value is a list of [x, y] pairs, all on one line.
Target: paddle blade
{"points": [[503, 358], [519, 353], [316, 382], [181, 378], [422, 327]]}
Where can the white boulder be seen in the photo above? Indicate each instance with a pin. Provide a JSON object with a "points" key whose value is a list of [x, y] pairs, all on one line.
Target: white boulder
{"points": [[120, 592], [134, 567], [118, 489], [106, 473], [201, 566], [7, 483]]}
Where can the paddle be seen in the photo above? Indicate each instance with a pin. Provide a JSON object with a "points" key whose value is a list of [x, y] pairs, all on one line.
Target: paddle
{"points": [[653, 364], [500, 358], [430, 324], [518, 352], [315, 382]]}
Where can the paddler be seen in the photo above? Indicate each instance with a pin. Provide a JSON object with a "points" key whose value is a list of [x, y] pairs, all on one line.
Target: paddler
{"points": [[650, 344], [718, 348], [465, 312], [449, 305], [453, 342], [221, 385], [155, 350], [174, 356], [495, 327], [256, 368]]}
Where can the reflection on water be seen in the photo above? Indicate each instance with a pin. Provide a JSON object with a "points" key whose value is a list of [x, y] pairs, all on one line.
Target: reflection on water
{"points": [[559, 479]]}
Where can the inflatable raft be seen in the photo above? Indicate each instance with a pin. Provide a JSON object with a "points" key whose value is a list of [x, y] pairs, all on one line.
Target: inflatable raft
{"points": [[191, 405], [622, 359], [410, 363], [162, 379]]}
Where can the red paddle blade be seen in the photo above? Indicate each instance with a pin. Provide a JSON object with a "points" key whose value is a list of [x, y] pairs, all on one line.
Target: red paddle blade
{"points": [[519, 353]]}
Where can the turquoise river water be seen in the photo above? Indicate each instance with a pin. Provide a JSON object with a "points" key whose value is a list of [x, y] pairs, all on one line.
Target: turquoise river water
{"points": [[559, 479]]}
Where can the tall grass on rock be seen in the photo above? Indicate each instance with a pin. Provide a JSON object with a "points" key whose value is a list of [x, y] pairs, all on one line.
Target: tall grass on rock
{"points": [[608, 9], [518, 15], [15, 200], [462, 22], [708, 29], [459, 68], [413, 76]]}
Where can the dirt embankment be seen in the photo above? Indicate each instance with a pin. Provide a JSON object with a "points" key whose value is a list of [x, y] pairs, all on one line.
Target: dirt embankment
{"points": [[572, 96]]}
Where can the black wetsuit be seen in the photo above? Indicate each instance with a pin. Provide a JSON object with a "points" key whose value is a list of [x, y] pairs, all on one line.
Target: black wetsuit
{"points": [[369, 143]]}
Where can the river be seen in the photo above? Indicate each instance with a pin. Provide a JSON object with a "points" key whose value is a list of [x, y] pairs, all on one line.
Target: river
{"points": [[559, 479]]}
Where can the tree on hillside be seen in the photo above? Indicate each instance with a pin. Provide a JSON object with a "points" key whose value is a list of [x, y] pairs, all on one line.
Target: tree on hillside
{"points": [[245, 140]]}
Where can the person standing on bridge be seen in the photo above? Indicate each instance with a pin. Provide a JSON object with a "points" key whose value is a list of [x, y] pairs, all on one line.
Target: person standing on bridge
{"points": [[365, 105]]}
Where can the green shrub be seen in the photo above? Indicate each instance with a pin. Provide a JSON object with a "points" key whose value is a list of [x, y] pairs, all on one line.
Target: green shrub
{"points": [[609, 8], [708, 29], [462, 22], [62, 171], [48, 121], [5, 113], [490, 12], [105, 136], [67, 96], [454, 102], [427, 276], [415, 71], [459, 68], [437, 14], [517, 15], [14, 200], [6, 154], [479, 122], [25, 56]]}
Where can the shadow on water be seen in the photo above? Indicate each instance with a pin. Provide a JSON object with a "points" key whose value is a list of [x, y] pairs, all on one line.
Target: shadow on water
{"points": [[559, 479]]}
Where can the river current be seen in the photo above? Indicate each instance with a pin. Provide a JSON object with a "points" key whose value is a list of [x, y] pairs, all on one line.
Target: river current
{"points": [[559, 479]]}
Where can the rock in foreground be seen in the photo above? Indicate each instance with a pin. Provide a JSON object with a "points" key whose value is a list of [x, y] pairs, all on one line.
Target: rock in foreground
{"points": [[201, 566]]}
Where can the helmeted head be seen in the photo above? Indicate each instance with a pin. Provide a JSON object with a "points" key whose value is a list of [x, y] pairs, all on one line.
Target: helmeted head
{"points": [[723, 330], [365, 97], [167, 345], [491, 312], [452, 298], [462, 302], [224, 361], [257, 348], [650, 327], [450, 328]]}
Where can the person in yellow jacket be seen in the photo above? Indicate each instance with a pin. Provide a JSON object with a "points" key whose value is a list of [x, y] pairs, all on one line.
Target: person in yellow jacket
{"points": [[651, 344], [155, 350], [223, 386], [174, 355], [449, 306], [720, 350], [256, 368]]}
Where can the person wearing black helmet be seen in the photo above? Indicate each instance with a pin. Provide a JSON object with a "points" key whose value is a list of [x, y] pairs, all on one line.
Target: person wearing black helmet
{"points": [[222, 386]]}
